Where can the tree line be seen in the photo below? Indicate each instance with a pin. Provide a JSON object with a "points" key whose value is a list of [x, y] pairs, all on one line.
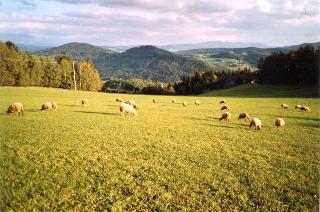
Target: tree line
{"points": [[299, 67], [24, 69]]}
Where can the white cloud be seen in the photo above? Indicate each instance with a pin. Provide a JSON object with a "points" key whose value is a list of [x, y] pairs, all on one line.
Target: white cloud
{"points": [[108, 22]]}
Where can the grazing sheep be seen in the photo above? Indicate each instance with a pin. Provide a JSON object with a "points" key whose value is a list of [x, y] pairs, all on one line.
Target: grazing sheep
{"points": [[225, 107], [185, 103], [305, 108], [223, 101], [173, 101], [135, 106], [284, 106], [298, 107], [46, 106], [256, 123], [119, 100], [197, 102], [84, 102], [130, 102], [15, 107], [126, 108], [225, 116], [244, 116], [154, 100], [279, 122], [54, 105]]}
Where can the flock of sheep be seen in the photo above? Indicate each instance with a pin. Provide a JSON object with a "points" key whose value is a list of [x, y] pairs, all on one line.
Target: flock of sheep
{"points": [[130, 107], [255, 122]]}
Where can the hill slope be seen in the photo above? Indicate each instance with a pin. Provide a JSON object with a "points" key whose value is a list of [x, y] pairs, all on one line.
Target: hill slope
{"points": [[228, 58], [151, 63], [145, 62], [266, 91], [77, 51]]}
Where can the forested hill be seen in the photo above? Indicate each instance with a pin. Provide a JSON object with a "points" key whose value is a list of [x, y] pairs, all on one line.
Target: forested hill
{"points": [[225, 58], [151, 63], [144, 62], [76, 50]]}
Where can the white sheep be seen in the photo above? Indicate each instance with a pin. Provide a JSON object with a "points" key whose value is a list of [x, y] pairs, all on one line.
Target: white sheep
{"points": [[15, 107], [84, 102], [197, 102], [225, 116], [279, 122], [130, 102], [173, 101], [244, 116], [256, 123], [284, 106], [54, 106], [305, 108], [184, 103], [46, 106], [225, 107], [127, 108]]}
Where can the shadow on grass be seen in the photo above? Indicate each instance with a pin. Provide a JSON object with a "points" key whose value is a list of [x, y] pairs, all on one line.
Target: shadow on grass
{"points": [[33, 110], [201, 119], [223, 126], [70, 105], [100, 113], [296, 117], [314, 125]]}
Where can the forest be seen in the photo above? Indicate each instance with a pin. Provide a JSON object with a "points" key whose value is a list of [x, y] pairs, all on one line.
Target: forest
{"points": [[296, 67], [24, 69]]}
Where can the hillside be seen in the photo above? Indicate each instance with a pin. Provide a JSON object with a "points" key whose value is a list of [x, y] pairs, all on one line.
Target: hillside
{"points": [[228, 58], [144, 62], [265, 91], [151, 63], [76, 50]]}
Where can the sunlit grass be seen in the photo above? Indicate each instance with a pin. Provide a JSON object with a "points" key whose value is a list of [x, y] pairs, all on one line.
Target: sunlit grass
{"points": [[169, 157]]}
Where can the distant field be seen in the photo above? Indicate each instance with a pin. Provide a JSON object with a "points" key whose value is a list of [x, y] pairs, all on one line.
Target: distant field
{"points": [[168, 158], [220, 64]]}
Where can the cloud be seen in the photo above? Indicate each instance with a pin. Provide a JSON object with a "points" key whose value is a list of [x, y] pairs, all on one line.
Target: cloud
{"points": [[26, 5], [124, 22]]}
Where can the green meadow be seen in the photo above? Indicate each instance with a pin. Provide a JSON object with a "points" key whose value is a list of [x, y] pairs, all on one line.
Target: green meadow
{"points": [[168, 158]]}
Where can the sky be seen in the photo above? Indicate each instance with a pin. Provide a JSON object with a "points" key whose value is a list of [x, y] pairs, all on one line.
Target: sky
{"points": [[159, 22]]}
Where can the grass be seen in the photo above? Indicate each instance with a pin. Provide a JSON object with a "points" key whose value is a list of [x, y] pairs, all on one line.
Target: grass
{"points": [[168, 158], [266, 91]]}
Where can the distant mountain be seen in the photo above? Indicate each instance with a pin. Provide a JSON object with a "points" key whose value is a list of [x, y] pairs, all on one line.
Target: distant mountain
{"points": [[29, 47], [228, 58], [212, 44], [144, 62], [151, 63], [189, 46], [76, 50]]}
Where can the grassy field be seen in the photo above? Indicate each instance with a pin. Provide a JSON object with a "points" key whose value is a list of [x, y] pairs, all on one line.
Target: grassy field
{"points": [[168, 158]]}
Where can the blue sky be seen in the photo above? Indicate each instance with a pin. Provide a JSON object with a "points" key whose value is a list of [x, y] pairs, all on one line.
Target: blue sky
{"points": [[159, 22]]}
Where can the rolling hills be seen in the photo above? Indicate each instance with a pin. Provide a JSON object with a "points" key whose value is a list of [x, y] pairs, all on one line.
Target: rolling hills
{"points": [[155, 64], [145, 62], [228, 58]]}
